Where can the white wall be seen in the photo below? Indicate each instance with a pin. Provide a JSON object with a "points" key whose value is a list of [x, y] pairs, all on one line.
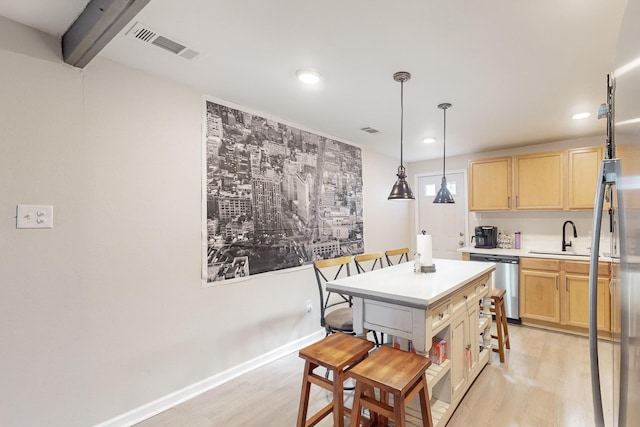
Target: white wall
{"points": [[105, 312]]}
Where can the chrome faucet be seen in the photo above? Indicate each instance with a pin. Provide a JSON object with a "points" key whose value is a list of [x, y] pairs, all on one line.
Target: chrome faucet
{"points": [[564, 240]]}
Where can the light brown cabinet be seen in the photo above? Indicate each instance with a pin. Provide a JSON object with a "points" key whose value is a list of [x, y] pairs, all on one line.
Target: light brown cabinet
{"points": [[555, 293], [554, 180], [629, 156], [539, 181], [615, 299], [490, 184], [584, 164], [539, 289], [576, 287]]}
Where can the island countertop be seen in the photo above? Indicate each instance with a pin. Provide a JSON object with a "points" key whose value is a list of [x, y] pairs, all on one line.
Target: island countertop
{"points": [[398, 284]]}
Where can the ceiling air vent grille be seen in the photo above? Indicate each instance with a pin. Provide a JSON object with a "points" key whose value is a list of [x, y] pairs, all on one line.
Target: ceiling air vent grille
{"points": [[370, 130], [147, 35]]}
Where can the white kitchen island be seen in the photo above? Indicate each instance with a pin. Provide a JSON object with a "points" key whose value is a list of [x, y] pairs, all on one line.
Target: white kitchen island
{"points": [[451, 304]]}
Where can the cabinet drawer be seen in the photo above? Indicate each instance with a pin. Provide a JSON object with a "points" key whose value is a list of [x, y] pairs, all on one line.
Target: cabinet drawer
{"points": [[540, 264], [482, 290], [440, 315], [462, 300], [581, 267]]}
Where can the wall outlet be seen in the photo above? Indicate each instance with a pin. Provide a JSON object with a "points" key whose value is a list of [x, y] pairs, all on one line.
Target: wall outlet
{"points": [[34, 216], [309, 306]]}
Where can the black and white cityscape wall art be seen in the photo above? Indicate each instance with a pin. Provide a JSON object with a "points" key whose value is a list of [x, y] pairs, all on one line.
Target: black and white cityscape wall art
{"points": [[276, 196]]}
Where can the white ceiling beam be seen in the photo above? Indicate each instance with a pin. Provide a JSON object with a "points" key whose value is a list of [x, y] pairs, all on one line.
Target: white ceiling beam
{"points": [[98, 23]]}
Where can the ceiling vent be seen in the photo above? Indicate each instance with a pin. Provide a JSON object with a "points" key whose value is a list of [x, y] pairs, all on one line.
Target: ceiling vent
{"points": [[147, 35], [370, 130]]}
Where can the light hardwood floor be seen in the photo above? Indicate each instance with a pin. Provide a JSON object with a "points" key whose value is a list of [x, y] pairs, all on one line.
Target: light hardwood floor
{"points": [[544, 381]]}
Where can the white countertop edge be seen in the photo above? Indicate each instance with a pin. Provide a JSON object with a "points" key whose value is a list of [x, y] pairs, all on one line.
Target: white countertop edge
{"points": [[407, 298], [527, 254]]}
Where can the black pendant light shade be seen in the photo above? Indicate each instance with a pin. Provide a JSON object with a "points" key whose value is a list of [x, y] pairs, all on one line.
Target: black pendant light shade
{"points": [[444, 195], [401, 190]]}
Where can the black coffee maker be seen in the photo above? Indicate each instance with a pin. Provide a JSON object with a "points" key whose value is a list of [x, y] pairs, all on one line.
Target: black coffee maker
{"points": [[486, 237]]}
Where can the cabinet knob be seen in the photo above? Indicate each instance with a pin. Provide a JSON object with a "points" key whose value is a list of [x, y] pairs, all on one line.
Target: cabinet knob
{"points": [[441, 316]]}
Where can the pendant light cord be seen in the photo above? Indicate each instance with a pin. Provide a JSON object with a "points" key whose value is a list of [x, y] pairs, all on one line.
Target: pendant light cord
{"points": [[401, 119], [444, 144]]}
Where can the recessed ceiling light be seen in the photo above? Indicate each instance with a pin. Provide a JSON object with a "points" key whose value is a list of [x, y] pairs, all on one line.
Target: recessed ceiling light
{"points": [[429, 140], [579, 116], [307, 76]]}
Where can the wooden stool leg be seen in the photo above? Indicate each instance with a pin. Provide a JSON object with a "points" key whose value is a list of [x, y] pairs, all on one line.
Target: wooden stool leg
{"points": [[304, 395], [338, 398], [505, 330], [356, 410], [498, 310], [425, 403], [398, 411]]}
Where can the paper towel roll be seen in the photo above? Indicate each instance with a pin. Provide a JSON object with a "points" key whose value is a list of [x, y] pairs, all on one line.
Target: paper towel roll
{"points": [[423, 245]]}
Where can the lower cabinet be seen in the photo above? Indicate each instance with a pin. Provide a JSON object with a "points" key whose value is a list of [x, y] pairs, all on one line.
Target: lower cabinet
{"points": [[555, 293], [540, 291], [465, 349], [464, 322]]}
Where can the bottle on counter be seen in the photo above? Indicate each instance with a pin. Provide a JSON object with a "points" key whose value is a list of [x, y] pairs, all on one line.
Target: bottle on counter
{"points": [[516, 240]]}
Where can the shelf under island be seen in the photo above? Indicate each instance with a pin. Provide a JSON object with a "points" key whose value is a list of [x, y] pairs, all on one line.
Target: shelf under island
{"points": [[451, 305]]}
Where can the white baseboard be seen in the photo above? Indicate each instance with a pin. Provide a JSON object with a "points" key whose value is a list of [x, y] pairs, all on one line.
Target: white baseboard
{"points": [[169, 401]]}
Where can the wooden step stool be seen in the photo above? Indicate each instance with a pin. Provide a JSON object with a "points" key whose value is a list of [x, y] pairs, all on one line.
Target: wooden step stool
{"points": [[395, 372], [337, 353], [497, 307]]}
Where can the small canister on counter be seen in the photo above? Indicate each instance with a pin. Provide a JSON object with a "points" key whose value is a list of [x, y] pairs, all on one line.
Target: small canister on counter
{"points": [[516, 240]]}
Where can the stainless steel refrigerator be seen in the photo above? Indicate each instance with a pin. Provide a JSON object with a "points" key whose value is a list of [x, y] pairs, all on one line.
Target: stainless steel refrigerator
{"points": [[615, 363]]}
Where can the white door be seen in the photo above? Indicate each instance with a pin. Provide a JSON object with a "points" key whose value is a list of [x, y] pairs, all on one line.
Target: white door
{"points": [[445, 222]]}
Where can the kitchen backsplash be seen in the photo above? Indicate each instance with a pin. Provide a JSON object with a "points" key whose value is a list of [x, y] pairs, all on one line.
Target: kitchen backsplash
{"points": [[543, 230]]}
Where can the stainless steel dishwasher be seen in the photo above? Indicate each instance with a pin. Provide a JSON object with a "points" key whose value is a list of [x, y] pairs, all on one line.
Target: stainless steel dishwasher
{"points": [[505, 277]]}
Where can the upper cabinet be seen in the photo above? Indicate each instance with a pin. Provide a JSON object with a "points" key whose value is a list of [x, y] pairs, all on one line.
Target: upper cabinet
{"points": [[490, 184], [556, 180], [629, 156], [584, 165], [539, 181]]}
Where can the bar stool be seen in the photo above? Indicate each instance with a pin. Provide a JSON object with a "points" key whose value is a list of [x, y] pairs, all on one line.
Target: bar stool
{"points": [[497, 307], [396, 372], [338, 353]]}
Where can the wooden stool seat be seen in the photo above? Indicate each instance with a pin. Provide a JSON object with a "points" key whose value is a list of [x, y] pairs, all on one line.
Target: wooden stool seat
{"points": [[497, 307], [337, 353], [395, 372]]}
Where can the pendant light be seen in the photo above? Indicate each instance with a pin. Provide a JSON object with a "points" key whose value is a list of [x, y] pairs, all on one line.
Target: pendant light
{"points": [[444, 196], [401, 190]]}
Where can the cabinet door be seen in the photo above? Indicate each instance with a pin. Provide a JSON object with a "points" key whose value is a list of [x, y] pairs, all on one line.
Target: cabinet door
{"points": [[577, 301], [629, 155], [615, 299], [459, 363], [473, 314], [539, 181], [584, 164], [490, 184], [540, 295]]}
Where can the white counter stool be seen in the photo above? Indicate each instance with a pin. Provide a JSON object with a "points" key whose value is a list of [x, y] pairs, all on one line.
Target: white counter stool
{"points": [[497, 307], [338, 353], [398, 373]]}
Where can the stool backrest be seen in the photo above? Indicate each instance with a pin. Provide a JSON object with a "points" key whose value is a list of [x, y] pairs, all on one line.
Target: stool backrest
{"points": [[334, 268], [361, 260], [396, 256]]}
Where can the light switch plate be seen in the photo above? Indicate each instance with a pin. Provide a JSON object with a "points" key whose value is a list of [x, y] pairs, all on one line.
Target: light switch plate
{"points": [[34, 216]]}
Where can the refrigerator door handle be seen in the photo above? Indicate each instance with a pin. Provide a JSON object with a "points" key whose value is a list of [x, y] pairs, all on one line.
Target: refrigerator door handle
{"points": [[609, 170], [593, 298]]}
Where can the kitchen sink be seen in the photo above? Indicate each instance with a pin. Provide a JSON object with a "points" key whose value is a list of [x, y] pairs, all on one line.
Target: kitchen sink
{"points": [[567, 253]]}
